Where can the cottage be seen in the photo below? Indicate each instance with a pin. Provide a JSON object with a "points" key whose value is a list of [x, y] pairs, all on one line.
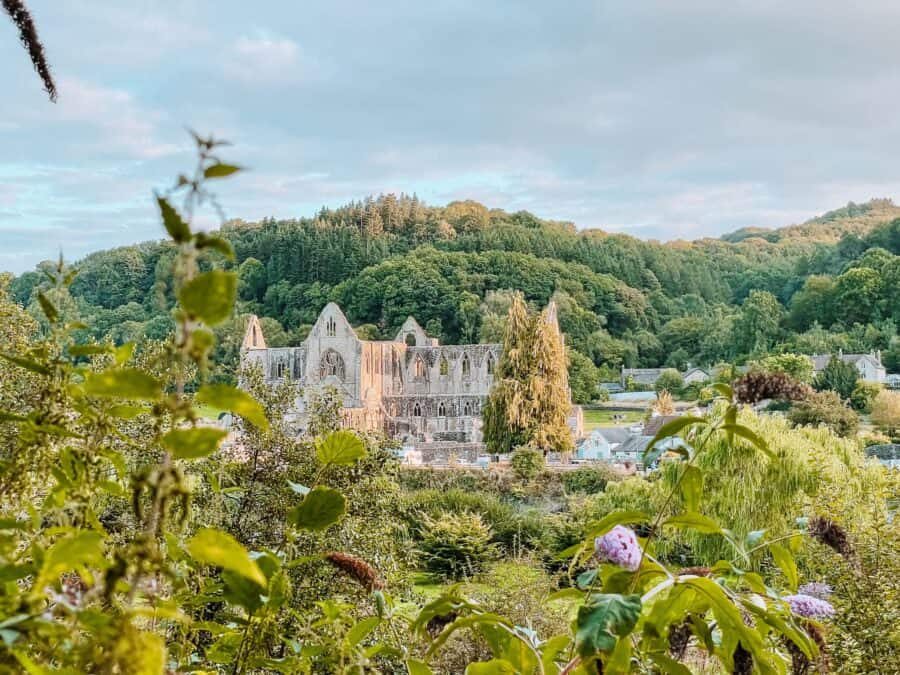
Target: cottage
{"points": [[869, 365]]}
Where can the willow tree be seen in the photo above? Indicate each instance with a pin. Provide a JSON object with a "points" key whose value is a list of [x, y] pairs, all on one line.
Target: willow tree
{"points": [[529, 403]]}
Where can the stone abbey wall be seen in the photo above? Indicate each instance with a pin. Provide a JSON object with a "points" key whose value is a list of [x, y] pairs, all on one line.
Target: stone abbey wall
{"points": [[411, 388]]}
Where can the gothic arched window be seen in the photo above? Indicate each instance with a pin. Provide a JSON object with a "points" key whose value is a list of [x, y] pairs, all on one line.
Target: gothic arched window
{"points": [[466, 366], [331, 327], [279, 369], [368, 367], [331, 365], [442, 410], [445, 367], [417, 410], [490, 364], [410, 340], [420, 367], [467, 409]]}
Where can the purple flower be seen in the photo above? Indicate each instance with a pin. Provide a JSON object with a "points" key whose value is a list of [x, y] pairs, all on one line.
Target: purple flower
{"points": [[809, 607], [816, 589], [620, 547]]}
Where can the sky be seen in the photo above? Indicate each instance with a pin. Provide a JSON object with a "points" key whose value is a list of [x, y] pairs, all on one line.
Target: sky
{"points": [[659, 119]]}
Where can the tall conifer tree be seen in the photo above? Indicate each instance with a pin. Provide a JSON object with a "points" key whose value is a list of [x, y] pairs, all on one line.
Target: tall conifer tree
{"points": [[530, 402]]}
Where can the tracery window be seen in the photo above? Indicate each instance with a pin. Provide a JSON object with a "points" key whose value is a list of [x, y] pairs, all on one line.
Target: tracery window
{"points": [[445, 367], [466, 366], [331, 327], [279, 369], [410, 340], [420, 367], [331, 365], [417, 410], [467, 409], [490, 364], [442, 410]]}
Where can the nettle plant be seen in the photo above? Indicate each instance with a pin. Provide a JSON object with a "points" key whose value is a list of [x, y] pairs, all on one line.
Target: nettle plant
{"points": [[108, 430], [139, 594], [634, 614]]}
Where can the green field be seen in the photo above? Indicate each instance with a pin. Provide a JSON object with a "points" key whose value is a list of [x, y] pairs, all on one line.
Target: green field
{"points": [[605, 418]]}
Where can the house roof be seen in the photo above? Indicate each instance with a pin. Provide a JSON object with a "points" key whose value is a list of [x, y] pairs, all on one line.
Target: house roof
{"points": [[654, 424], [613, 434], [821, 360]]}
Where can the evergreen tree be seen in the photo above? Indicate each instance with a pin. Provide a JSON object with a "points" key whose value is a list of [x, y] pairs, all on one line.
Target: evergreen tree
{"points": [[529, 403], [838, 377]]}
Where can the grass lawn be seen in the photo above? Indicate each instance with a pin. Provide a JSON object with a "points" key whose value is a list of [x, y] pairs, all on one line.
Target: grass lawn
{"points": [[604, 418], [208, 411]]}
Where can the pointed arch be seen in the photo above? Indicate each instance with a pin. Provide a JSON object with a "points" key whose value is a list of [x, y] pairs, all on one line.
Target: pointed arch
{"points": [[332, 365], [490, 364], [330, 327], [467, 409], [445, 366], [417, 410], [466, 366], [442, 409], [420, 368]]}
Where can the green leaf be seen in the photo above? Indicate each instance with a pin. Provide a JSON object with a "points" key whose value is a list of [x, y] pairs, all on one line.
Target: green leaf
{"points": [[175, 225], [223, 246], [239, 590], [786, 564], [220, 170], [492, 667], [673, 428], [361, 630], [209, 296], [692, 487], [609, 521], [129, 383], [668, 665], [724, 389], [750, 435], [27, 364], [10, 417], [214, 547], [416, 667], [226, 397], [603, 617], [694, 521], [193, 443], [319, 510], [89, 350], [84, 548], [124, 353], [48, 308], [128, 412], [343, 448]]}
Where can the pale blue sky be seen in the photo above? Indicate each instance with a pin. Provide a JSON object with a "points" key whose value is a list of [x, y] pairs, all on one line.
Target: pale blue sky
{"points": [[661, 119]]}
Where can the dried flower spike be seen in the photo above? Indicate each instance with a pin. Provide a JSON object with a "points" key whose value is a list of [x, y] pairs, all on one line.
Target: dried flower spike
{"points": [[364, 574]]}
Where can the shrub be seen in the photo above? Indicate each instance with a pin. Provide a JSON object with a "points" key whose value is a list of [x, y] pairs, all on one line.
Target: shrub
{"points": [[588, 479], [456, 545], [825, 408], [863, 395], [527, 463], [886, 411], [670, 380]]}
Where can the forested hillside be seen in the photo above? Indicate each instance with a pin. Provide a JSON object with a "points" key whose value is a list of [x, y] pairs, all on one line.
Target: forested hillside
{"points": [[622, 301]]}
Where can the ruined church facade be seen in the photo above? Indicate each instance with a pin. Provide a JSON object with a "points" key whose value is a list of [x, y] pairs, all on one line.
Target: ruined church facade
{"points": [[411, 388]]}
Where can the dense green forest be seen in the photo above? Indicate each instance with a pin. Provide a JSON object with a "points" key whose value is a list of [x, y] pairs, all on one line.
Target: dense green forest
{"points": [[622, 301]]}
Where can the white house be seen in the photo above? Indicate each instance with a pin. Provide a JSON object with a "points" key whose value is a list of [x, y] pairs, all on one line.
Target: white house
{"points": [[869, 365]]}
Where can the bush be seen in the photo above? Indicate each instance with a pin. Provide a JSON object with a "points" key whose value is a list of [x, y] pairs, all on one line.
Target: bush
{"points": [[825, 408], [670, 380], [886, 411], [588, 479], [863, 395], [456, 545], [527, 463]]}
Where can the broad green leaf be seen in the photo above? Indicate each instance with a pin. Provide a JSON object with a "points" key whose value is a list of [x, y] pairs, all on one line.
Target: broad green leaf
{"points": [[609, 521], [361, 630], [89, 350], [175, 225], [692, 487], [492, 667], [10, 417], [193, 443], [319, 510], [239, 590], [750, 435], [124, 353], [786, 564], [551, 649], [220, 170], [84, 548], [209, 296], [619, 662], [724, 389], [416, 667], [48, 308], [694, 521], [214, 547], [223, 246], [226, 397], [129, 383], [602, 618], [673, 428], [668, 665], [27, 364], [340, 447], [128, 412]]}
